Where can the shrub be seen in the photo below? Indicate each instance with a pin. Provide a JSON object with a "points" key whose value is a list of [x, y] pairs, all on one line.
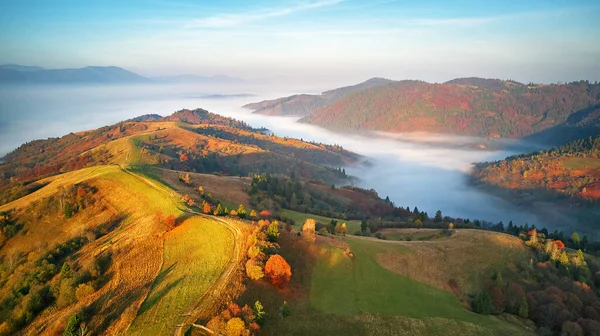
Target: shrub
{"points": [[278, 271], [84, 290], [358, 233]]}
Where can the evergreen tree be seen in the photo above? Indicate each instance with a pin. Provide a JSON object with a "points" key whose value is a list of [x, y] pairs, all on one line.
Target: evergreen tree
{"points": [[438, 216], [241, 211], [363, 227]]}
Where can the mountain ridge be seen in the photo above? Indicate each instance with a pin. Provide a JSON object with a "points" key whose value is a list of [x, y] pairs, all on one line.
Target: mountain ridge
{"points": [[304, 104], [488, 108], [25, 74]]}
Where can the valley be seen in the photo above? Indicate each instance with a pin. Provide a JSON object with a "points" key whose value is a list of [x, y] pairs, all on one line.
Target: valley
{"points": [[171, 225]]}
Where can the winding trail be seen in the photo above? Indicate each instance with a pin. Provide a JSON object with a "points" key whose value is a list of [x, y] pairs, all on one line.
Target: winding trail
{"points": [[207, 301]]}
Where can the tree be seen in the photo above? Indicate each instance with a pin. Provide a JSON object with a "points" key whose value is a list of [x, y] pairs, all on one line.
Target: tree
{"points": [[575, 240], [235, 327], [241, 211], [273, 231], [343, 229], [523, 309], [497, 299], [72, 325], [308, 230], [68, 210], [563, 258], [219, 211], [363, 227], [253, 214], [285, 309], [499, 281], [418, 223], [278, 271], [438, 216], [450, 226], [206, 207], [259, 312], [571, 329], [254, 270], [483, 303], [265, 214]]}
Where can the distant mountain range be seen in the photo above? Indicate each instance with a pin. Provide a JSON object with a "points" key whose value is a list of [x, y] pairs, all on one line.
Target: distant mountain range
{"points": [[491, 108], [304, 104], [21, 74]]}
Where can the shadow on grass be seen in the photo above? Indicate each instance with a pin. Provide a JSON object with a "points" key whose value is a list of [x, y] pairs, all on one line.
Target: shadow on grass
{"points": [[154, 297]]}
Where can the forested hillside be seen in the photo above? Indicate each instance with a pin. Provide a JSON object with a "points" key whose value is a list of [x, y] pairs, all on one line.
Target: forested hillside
{"points": [[304, 104], [469, 106], [568, 176], [190, 140]]}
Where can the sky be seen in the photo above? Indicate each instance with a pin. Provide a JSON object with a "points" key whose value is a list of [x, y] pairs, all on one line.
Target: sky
{"points": [[312, 40]]}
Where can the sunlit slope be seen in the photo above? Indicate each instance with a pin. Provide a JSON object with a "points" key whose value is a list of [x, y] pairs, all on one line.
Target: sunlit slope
{"points": [[136, 245], [367, 292], [195, 254]]}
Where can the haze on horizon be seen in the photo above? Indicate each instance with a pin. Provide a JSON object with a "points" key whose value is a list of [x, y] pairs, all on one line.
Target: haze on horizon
{"points": [[337, 42]]}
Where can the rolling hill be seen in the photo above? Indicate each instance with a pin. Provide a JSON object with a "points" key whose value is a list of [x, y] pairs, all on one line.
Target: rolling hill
{"points": [[190, 140], [304, 104], [475, 107]]}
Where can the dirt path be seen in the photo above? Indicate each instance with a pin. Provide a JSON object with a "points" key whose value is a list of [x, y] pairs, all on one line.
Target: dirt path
{"points": [[207, 301]]}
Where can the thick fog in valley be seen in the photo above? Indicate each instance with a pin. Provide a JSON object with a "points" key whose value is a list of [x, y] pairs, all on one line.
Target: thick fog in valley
{"points": [[426, 171]]}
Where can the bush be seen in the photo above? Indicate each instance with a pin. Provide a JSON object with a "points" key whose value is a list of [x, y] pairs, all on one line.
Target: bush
{"points": [[358, 233], [84, 290]]}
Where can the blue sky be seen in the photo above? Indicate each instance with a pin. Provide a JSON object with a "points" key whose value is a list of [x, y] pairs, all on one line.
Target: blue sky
{"points": [[349, 40]]}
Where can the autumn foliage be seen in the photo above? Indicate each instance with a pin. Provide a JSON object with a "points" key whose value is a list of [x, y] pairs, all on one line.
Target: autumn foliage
{"points": [[278, 271]]}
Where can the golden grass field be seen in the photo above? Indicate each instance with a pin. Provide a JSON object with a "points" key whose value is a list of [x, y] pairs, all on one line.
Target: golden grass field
{"points": [[467, 257], [195, 254], [174, 267]]}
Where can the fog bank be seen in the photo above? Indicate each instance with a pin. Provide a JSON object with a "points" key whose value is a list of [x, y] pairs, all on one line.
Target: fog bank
{"points": [[423, 170]]}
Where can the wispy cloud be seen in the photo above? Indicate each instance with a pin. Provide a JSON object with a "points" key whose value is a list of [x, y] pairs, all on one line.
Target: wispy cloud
{"points": [[457, 22], [229, 20]]}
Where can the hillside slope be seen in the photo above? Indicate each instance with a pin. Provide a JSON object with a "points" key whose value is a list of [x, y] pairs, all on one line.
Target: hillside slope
{"points": [[189, 140], [471, 106], [304, 104], [566, 177], [111, 261]]}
